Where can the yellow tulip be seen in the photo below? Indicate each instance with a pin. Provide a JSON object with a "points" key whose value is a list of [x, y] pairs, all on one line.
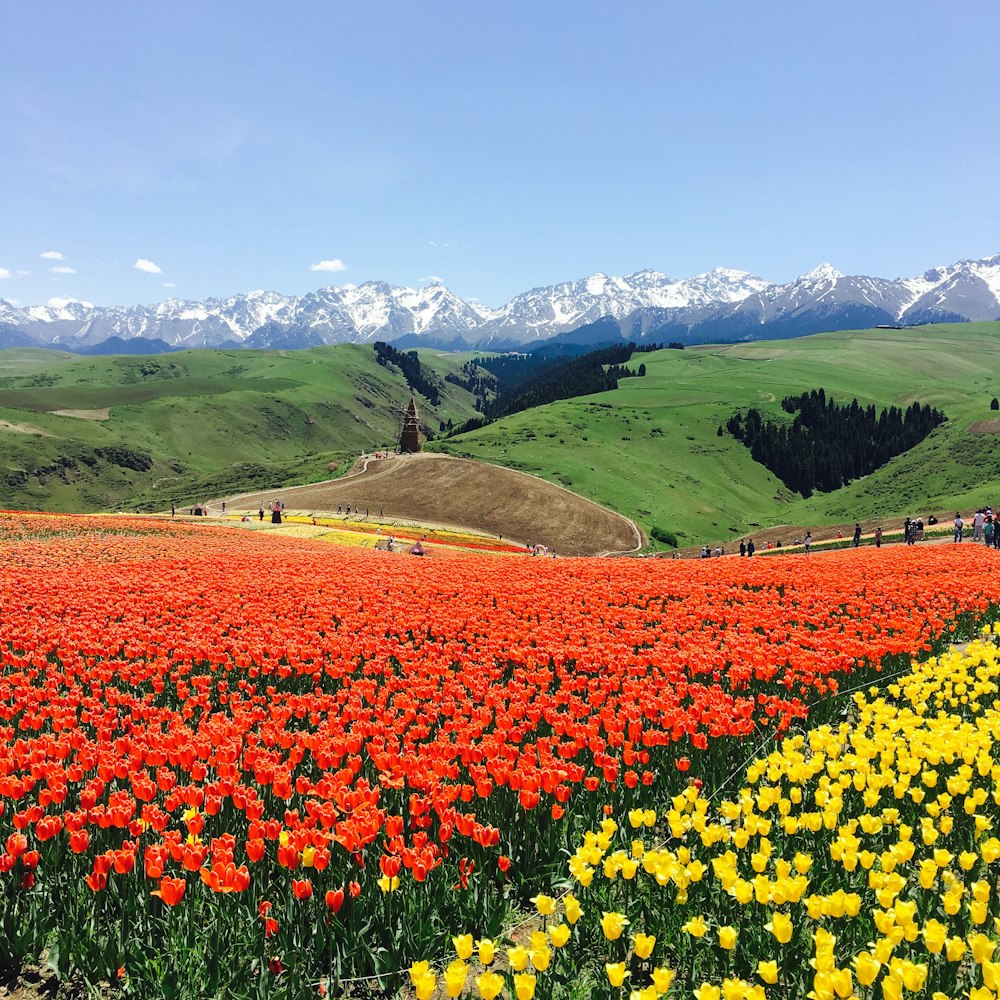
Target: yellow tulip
{"points": [[541, 958], [463, 946], [867, 968], [644, 944], [892, 988], [559, 935], [425, 986], [781, 927], [418, 969], [454, 977], [572, 907], [518, 957], [486, 950], [545, 905], [727, 938], [768, 971], [524, 986], [981, 947], [707, 992], [934, 933], [662, 978], [696, 927], [613, 924], [489, 985], [616, 972]]}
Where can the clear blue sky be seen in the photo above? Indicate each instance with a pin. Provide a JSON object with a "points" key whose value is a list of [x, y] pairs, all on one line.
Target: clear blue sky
{"points": [[498, 146]]}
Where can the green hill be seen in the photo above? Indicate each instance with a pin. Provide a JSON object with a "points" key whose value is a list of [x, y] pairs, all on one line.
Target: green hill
{"points": [[97, 433], [650, 448]]}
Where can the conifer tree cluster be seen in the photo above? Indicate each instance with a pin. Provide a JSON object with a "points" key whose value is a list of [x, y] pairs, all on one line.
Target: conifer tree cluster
{"points": [[409, 364], [828, 445]]}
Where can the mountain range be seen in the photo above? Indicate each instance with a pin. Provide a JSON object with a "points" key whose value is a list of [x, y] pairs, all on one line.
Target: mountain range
{"points": [[721, 304]]}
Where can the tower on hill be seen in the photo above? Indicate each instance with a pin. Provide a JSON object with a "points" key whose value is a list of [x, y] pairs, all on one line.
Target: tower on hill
{"points": [[410, 440]]}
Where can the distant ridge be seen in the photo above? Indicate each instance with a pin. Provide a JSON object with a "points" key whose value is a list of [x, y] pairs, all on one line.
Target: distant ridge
{"points": [[721, 304]]}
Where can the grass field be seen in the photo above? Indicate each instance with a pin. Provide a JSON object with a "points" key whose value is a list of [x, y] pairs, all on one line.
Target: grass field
{"points": [[212, 422], [220, 422], [650, 448]]}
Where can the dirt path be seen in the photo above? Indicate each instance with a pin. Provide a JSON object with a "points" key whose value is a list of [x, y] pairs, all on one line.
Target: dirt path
{"points": [[441, 490]]}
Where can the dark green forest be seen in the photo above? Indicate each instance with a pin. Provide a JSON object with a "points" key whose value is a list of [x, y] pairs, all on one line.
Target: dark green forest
{"points": [[828, 445]]}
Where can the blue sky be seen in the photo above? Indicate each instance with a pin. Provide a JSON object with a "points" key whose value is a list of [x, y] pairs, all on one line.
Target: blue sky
{"points": [[228, 146]]}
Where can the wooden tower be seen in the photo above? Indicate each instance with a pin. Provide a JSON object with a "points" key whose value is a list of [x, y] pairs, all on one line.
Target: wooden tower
{"points": [[410, 440]]}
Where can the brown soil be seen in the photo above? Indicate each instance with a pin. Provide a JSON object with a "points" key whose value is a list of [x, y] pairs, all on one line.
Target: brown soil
{"points": [[438, 489], [985, 426]]}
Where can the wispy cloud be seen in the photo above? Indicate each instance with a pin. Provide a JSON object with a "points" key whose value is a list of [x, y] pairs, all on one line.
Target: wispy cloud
{"points": [[57, 302], [329, 265], [21, 273], [52, 255], [63, 270], [432, 279], [148, 266], [4, 273], [169, 284]]}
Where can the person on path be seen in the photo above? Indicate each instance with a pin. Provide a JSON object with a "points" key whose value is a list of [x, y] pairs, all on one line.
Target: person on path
{"points": [[173, 509], [959, 525], [751, 548], [743, 547], [857, 534], [260, 513], [808, 541], [988, 532], [978, 520], [878, 538]]}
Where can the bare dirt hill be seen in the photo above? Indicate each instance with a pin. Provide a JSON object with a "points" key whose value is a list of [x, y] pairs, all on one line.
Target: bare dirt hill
{"points": [[441, 490]]}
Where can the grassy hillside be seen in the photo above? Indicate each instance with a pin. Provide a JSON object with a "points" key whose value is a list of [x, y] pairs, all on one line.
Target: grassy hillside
{"points": [[93, 433], [650, 449]]}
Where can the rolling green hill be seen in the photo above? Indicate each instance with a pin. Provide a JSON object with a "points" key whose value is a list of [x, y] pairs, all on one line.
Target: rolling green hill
{"points": [[650, 448], [103, 432], [98, 433]]}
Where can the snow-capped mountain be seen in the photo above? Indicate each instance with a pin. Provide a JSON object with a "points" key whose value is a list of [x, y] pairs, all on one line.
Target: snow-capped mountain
{"points": [[719, 304]]}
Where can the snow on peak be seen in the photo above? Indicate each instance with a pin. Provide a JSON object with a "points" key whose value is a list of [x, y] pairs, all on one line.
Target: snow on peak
{"points": [[824, 272]]}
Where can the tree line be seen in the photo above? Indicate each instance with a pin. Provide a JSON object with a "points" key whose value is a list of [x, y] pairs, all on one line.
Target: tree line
{"points": [[828, 445], [409, 364], [508, 384]]}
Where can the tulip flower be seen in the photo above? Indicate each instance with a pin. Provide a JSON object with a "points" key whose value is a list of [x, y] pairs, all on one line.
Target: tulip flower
{"points": [[524, 985], [616, 973], [489, 985], [727, 938], [768, 971], [612, 925]]}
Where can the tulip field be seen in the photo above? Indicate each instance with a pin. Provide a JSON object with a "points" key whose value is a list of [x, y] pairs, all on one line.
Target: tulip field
{"points": [[233, 764]]}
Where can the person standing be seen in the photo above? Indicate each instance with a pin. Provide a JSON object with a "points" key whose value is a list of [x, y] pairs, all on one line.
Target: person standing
{"points": [[989, 530], [260, 513], [808, 541], [743, 547], [878, 538], [978, 520], [959, 525], [857, 534], [751, 548]]}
